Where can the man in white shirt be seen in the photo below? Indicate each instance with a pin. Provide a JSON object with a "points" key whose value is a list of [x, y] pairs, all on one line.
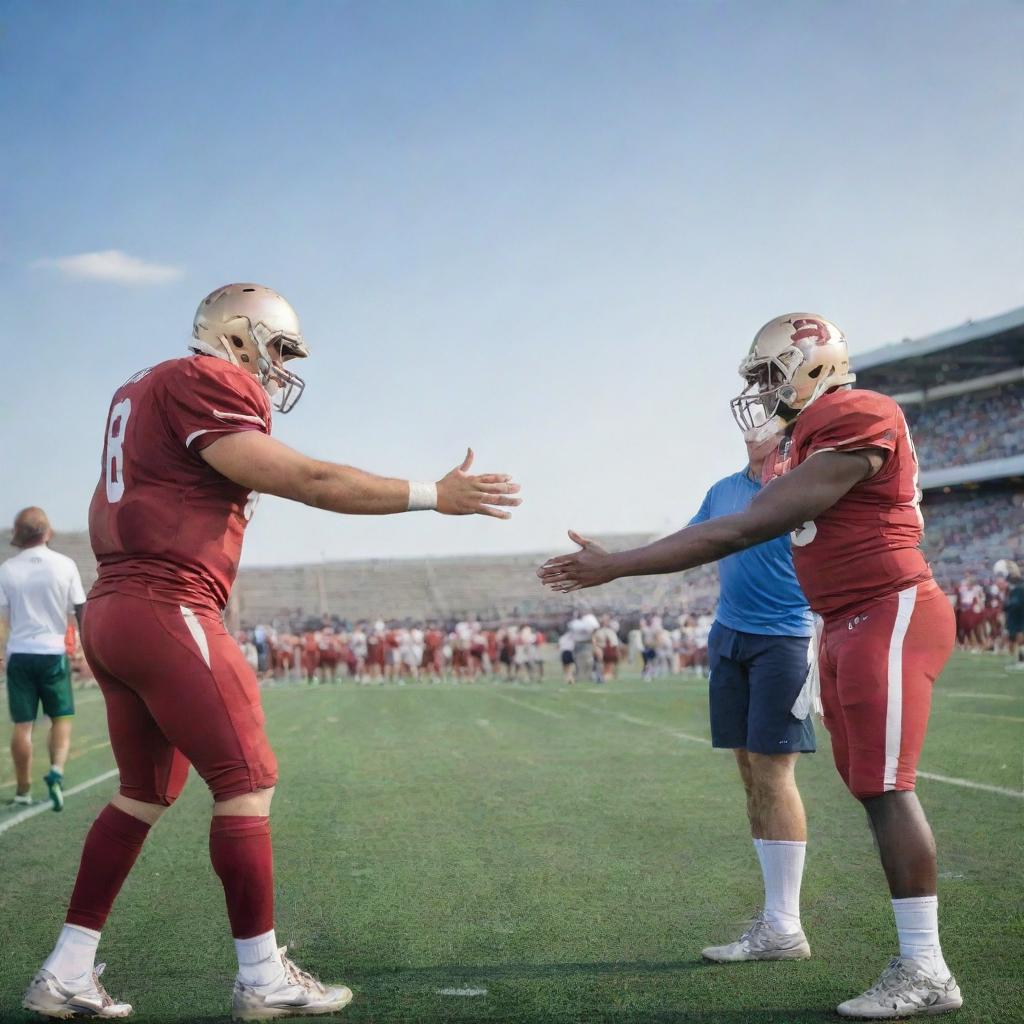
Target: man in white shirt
{"points": [[583, 627], [39, 589]]}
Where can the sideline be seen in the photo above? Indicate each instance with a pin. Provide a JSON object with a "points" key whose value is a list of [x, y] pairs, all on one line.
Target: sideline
{"points": [[43, 808]]}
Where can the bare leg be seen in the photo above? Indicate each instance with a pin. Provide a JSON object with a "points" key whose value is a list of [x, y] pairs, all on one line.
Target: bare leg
{"points": [[21, 754], [905, 843], [60, 742], [778, 811]]}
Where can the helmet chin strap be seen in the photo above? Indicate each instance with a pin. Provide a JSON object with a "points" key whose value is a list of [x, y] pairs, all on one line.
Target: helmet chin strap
{"points": [[204, 348]]}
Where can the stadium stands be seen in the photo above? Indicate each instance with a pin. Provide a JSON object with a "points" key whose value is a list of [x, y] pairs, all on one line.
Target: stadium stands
{"points": [[969, 428], [963, 391], [492, 587], [969, 531]]}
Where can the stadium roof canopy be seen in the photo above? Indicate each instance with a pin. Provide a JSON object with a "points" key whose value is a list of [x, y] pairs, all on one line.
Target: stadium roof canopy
{"points": [[974, 349], [1010, 470]]}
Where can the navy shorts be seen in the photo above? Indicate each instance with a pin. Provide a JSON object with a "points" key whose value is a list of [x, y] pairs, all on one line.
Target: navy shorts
{"points": [[1014, 622], [755, 680]]}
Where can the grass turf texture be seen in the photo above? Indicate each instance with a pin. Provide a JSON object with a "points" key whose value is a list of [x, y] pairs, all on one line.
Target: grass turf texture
{"points": [[567, 850]]}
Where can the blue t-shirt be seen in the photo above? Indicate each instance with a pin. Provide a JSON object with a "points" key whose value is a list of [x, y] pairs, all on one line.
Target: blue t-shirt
{"points": [[759, 589]]}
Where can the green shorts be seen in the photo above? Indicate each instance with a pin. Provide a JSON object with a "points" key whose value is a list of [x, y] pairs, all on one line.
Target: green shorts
{"points": [[34, 679]]}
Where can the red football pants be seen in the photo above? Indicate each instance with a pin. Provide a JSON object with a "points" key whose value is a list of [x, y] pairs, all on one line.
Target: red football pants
{"points": [[877, 672], [178, 691]]}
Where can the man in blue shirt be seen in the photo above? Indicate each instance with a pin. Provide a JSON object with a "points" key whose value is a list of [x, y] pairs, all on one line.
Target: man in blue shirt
{"points": [[761, 650]]}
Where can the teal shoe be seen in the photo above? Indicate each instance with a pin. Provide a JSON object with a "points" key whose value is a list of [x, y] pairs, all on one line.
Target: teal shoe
{"points": [[55, 784]]}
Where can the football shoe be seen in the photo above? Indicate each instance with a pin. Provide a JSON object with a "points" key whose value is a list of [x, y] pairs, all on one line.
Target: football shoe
{"points": [[904, 990], [295, 994], [761, 942], [50, 997]]}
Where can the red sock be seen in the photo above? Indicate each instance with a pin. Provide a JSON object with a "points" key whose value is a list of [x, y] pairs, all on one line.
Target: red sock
{"points": [[113, 843], [243, 858]]}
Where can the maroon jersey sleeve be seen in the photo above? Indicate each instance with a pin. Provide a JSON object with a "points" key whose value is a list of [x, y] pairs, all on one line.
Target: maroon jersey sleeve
{"points": [[865, 547], [853, 421], [210, 398]]}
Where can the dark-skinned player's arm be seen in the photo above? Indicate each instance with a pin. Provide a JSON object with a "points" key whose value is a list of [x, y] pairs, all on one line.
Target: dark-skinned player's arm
{"points": [[787, 503], [258, 462]]}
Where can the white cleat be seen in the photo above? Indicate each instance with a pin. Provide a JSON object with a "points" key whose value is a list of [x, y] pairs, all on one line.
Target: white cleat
{"points": [[53, 998], [761, 942], [296, 994], [904, 990]]}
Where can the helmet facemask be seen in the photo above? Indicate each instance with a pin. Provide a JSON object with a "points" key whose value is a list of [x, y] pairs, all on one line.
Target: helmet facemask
{"points": [[793, 361], [257, 330], [284, 386], [769, 394]]}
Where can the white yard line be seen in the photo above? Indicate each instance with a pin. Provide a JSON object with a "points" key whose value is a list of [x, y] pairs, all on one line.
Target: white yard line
{"points": [[77, 754], [980, 696], [31, 812], [462, 991], [948, 780], [530, 707], [674, 733], [988, 714], [1017, 794]]}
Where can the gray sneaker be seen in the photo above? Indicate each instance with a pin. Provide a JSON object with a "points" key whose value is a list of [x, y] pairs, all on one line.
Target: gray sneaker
{"points": [[904, 990], [761, 942], [52, 998], [295, 994]]}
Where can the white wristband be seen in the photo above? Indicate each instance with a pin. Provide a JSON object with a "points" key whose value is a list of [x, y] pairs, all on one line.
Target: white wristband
{"points": [[422, 497]]}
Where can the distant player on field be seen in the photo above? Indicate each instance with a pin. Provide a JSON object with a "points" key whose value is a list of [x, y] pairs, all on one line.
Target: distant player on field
{"points": [[845, 482], [1015, 615], [39, 590], [759, 652], [186, 455]]}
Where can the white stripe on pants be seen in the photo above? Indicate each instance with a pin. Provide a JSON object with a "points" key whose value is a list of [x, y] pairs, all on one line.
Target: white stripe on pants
{"points": [[894, 707]]}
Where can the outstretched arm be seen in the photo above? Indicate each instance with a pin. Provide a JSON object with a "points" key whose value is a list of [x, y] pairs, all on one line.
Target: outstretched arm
{"points": [[784, 505], [260, 463]]}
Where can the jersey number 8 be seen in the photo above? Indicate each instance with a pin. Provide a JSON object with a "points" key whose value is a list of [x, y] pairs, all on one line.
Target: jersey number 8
{"points": [[114, 469]]}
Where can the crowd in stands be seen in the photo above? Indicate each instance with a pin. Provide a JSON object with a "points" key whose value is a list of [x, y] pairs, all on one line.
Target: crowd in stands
{"points": [[969, 428], [969, 531]]}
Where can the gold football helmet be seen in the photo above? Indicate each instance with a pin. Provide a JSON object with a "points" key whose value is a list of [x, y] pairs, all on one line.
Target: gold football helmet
{"points": [[257, 330], [792, 362]]}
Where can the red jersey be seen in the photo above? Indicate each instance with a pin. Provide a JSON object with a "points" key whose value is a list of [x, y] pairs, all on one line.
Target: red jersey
{"points": [[164, 524], [433, 639], [865, 547]]}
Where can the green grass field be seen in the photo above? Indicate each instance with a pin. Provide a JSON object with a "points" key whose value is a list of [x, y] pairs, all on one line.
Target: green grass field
{"points": [[564, 853]]}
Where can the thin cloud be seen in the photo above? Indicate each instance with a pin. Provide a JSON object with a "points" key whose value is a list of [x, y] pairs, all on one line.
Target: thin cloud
{"points": [[113, 266]]}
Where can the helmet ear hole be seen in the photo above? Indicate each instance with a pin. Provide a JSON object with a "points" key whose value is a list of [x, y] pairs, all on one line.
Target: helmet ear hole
{"points": [[237, 341], [816, 372]]}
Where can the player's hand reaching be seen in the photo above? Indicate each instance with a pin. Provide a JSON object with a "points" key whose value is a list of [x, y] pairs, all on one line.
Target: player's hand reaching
{"points": [[589, 567], [461, 494]]}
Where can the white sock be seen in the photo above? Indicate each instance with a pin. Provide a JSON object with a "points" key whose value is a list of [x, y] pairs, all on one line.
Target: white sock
{"points": [[782, 865], [259, 962], [917, 923], [74, 956]]}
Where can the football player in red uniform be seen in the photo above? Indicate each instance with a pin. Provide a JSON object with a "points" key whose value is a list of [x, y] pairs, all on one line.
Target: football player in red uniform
{"points": [[187, 453], [844, 481]]}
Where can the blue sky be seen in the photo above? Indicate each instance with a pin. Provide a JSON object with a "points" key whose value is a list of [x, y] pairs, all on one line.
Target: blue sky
{"points": [[546, 229]]}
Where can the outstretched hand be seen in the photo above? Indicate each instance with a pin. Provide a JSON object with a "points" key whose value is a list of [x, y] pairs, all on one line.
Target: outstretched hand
{"points": [[460, 494], [589, 567]]}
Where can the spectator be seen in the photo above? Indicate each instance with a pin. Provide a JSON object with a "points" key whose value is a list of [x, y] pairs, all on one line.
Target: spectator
{"points": [[583, 626], [39, 589]]}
